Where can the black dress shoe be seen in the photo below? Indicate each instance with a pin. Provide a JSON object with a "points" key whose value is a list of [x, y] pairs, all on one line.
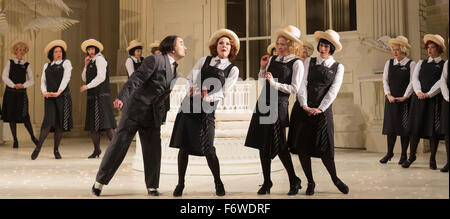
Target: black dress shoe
{"points": [[433, 164], [408, 162], [445, 169], [16, 144], [95, 191], [310, 189], [57, 155], [342, 187], [96, 154], [297, 185], [386, 158], [35, 153], [220, 189], [265, 188], [153, 193], [178, 192], [402, 160]]}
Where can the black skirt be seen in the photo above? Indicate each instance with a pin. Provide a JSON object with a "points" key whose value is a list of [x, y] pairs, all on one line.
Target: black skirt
{"points": [[312, 136], [194, 132], [99, 113], [58, 112], [444, 118], [15, 106], [425, 117], [396, 118]]}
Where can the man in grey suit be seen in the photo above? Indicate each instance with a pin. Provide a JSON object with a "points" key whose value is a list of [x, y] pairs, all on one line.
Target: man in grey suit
{"points": [[146, 95]]}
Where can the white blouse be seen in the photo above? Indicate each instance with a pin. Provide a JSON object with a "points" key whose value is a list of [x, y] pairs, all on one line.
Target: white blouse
{"points": [[436, 89], [444, 87], [409, 90], [129, 64], [297, 74], [9, 82], [229, 82], [101, 64], [334, 89], [66, 78]]}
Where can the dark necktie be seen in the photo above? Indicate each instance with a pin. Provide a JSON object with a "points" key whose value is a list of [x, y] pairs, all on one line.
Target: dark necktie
{"points": [[175, 65], [217, 63]]}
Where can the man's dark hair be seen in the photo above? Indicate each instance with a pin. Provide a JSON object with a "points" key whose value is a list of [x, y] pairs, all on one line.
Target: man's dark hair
{"points": [[168, 44], [50, 53]]}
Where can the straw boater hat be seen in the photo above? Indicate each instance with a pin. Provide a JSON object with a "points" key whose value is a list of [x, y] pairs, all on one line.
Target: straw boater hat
{"points": [[154, 45], [134, 44], [91, 42], [331, 36], [271, 47], [53, 44], [18, 43], [290, 32], [435, 39], [228, 33], [400, 40], [309, 46]]}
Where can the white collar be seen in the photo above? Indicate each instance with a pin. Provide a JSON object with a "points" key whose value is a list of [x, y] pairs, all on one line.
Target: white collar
{"points": [[57, 62], [171, 60], [135, 59], [328, 62], [437, 60], [403, 62], [286, 58], [222, 61], [17, 61], [96, 56]]}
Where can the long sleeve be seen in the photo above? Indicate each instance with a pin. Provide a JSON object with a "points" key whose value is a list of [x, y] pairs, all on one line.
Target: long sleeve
{"points": [[262, 73], [302, 95], [297, 75], [43, 80], [67, 74], [83, 75], [229, 83], [129, 66], [30, 80], [444, 86], [410, 90], [138, 78], [387, 89], [415, 80], [5, 75], [101, 64], [435, 90], [334, 89], [195, 72]]}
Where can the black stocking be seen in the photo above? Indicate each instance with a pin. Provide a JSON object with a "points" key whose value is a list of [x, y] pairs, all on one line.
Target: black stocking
{"points": [[265, 164], [13, 127], [331, 167], [405, 144], [413, 146], [57, 138], [391, 139], [29, 128], [43, 135], [183, 158], [110, 133], [434, 142], [306, 166], [96, 140], [446, 146], [213, 163]]}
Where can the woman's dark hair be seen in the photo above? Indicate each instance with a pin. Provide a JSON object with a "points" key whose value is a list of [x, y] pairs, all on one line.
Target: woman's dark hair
{"points": [[272, 51], [168, 44], [97, 50], [154, 49], [326, 42], [50, 53], [131, 53]]}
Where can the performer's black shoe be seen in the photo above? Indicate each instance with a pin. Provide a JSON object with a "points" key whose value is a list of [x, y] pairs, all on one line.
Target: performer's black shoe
{"points": [[57, 155], [386, 158], [16, 145], [35, 153], [297, 185], [408, 162], [310, 189], [96, 154], [265, 188], [178, 192], [153, 192], [220, 189], [402, 159], [433, 164], [445, 169], [95, 191], [342, 187]]}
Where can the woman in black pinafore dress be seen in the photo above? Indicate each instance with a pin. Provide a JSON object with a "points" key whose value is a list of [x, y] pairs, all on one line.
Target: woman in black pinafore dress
{"points": [[194, 127], [135, 59], [58, 102], [445, 84], [15, 98], [426, 103]]}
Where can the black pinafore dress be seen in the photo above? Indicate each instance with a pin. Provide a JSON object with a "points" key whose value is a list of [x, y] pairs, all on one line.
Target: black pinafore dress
{"points": [[444, 113], [194, 130], [99, 109], [136, 65], [58, 111], [396, 114], [313, 136], [272, 137], [425, 115], [15, 102]]}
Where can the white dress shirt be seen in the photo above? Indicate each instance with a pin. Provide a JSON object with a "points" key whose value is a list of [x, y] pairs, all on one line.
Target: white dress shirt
{"points": [[101, 64], [334, 89], [436, 89], [66, 78], [9, 82], [297, 74], [444, 87], [129, 64], [409, 90], [230, 81]]}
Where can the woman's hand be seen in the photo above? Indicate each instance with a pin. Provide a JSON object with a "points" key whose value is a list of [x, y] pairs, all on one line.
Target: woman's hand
{"points": [[269, 78], [19, 86], [118, 104], [205, 95], [401, 99], [193, 91], [317, 111], [264, 62], [421, 95], [308, 110], [391, 99], [86, 61], [83, 88]]}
